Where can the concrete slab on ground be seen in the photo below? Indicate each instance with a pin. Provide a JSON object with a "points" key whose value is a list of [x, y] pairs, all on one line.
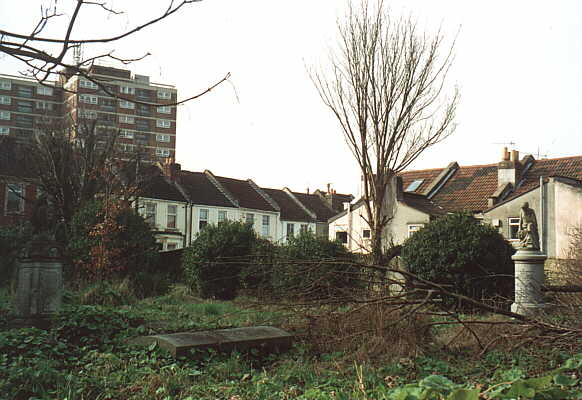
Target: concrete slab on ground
{"points": [[179, 344]]}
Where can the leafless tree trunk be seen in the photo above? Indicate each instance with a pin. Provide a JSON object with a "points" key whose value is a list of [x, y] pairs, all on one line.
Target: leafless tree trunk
{"points": [[386, 86], [44, 57]]}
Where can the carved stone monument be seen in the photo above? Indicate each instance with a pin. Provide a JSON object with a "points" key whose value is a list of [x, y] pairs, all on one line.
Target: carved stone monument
{"points": [[40, 271], [529, 265]]}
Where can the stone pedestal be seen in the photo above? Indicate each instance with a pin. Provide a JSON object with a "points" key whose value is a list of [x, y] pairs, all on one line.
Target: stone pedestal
{"points": [[40, 281], [529, 278]]}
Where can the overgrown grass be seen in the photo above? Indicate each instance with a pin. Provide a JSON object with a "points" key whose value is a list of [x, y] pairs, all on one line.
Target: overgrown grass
{"points": [[85, 356]]}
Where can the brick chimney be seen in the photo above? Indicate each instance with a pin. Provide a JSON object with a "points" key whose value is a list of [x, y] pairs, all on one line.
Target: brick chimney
{"points": [[508, 168], [171, 169]]}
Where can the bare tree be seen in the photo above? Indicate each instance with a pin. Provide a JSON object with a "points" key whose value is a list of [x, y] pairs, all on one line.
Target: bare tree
{"points": [[44, 57], [387, 89]]}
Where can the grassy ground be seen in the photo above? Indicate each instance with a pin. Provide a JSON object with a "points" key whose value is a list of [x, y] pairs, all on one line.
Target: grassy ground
{"points": [[84, 356]]}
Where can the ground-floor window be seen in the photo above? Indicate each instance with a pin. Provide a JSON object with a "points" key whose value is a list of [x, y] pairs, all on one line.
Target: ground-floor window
{"points": [[342, 236], [414, 228], [513, 224]]}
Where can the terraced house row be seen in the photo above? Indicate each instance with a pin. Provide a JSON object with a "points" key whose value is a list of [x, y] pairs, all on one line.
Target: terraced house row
{"points": [[178, 204]]}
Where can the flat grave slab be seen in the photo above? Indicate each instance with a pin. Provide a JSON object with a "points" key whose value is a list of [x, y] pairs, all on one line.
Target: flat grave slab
{"points": [[179, 344]]}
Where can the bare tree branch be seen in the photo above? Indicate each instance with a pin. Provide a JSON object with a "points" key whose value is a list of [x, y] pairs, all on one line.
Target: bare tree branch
{"points": [[42, 62], [386, 88]]}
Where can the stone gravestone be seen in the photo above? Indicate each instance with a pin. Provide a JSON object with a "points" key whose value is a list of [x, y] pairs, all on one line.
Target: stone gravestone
{"points": [[529, 265], [40, 281], [179, 344]]}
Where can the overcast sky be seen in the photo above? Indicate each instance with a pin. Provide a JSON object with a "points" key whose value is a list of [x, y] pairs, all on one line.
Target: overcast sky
{"points": [[518, 65]]}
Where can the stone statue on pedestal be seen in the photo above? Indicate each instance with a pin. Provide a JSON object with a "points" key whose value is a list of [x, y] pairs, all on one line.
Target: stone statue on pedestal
{"points": [[528, 228]]}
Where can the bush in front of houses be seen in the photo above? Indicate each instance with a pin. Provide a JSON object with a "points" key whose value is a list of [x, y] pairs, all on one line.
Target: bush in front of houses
{"points": [[213, 263], [312, 267], [458, 250], [109, 241]]}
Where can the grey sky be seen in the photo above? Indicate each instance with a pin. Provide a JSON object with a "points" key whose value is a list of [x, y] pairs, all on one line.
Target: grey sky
{"points": [[518, 65]]}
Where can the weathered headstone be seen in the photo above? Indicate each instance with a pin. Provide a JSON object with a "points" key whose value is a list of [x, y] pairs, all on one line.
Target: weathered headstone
{"points": [[179, 344], [40, 281]]}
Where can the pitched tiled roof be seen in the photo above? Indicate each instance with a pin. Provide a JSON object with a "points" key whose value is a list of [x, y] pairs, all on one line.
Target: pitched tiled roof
{"points": [[315, 204], [469, 188], [290, 210], [427, 176], [570, 167], [246, 195], [158, 187], [422, 203], [201, 191]]}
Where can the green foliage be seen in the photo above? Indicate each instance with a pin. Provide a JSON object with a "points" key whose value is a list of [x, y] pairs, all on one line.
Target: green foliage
{"points": [[124, 248], [313, 267], [12, 238], [91, 325], [456, 249], [213, 263]]}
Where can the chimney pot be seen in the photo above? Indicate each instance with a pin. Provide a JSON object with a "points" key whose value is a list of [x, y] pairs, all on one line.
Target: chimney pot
{"points": [[515, 155], [307, 190], [504, 154], [328, 187]]}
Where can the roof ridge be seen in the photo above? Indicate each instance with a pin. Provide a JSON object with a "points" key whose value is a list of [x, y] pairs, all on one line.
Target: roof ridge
{"points": [[264, 195], [299, 203], [221, 188]]}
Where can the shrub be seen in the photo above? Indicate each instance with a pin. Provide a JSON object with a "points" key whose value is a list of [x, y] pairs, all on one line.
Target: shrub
{"points": [[456, 249], [313, 267], [112, 241], [91, 325], [212, 264]]}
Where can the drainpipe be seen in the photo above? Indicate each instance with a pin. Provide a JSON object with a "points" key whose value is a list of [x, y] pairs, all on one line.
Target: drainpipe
{"points": [[350, 227], [185, 225], [190, 225], [542, 210]]}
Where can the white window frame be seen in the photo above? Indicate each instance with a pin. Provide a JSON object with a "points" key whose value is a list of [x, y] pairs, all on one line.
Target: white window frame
{"points": [[164, 109], [87, 114], [126, 134], [4, 130], [44, 91], [513, 222], [412, 228], [250, 218], [222, 216], [88, 99], [303, 228], [44, 105], [164, 94], [127, 89], [172, 215], [162, 152], [5, 115], [126, 104], [127, 148], [163, 138], [163, 123], [5, 85], [17, 190], [126, 119], [5, 100], [150, 213], [84, 83], [266, 225], [290, 230], [203, 218]]}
